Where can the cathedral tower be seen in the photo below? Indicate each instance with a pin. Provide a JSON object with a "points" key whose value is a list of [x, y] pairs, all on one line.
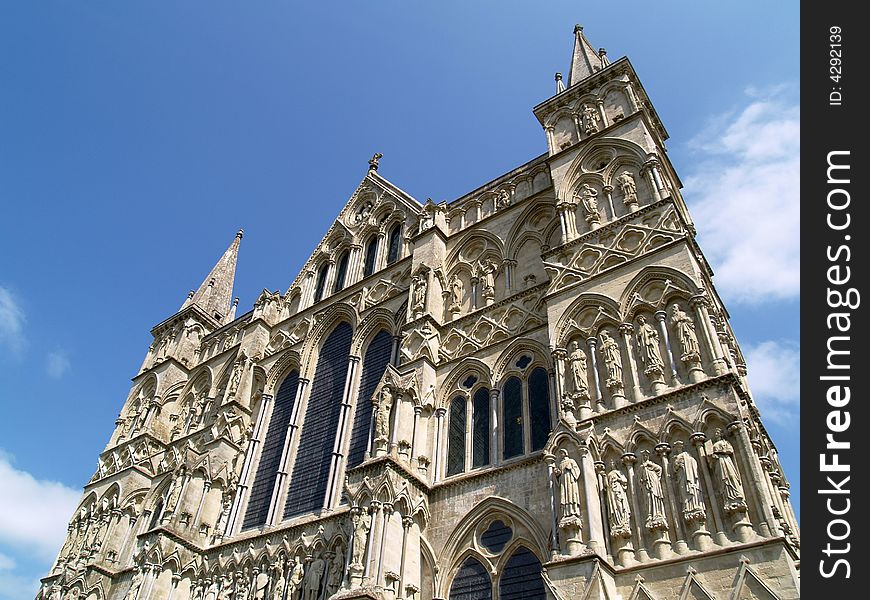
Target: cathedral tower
{"points": [[531, 391]]}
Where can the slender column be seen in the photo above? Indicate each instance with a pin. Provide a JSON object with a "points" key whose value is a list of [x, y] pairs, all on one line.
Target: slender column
{"points": [[551, 142], [495, 428], [711, 338], [474, 292], [632, 97], [354, 267], [394, 353], [758, 489], [509, 266], [375, 512], [592, 342], [554, 397], [333, 489], [680, 545], [175, 579], [652, 183], [608, 193], [308, 289], [206, 486], [593, 506], [281, 477], [439, 435], [554, 513], [370, 445], [407, 522], [381, 254], [418, 410], [698, 440], [394, 426], [247, 471], [628, 459], [657, 177], [602, 504], [626, 330], [386, 510], [602, 113], [663, 329]]}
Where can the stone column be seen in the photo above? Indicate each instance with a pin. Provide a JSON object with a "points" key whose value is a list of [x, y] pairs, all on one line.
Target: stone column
{"points": [[711, 338], [626, 330], [394, 424], [602, 112], [354, 265], [554, 513], [334, 488], [600, 479], [652, 183], [495, 428], [592, 342], [418, 410], [629, 459], [698, 440], [407, 522], [608, 194], [663, 330], [245, 480], [680, 546], [437, 467], [381, 254], [758, 489], [567, 409], [551, 142], [386, 510], [286, 452], [175, 579], [206, 486], [593, 506]]}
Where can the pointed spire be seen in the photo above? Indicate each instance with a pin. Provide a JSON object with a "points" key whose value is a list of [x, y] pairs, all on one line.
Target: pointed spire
{"points": [[216, 291], [585, 61], [560, 85]]}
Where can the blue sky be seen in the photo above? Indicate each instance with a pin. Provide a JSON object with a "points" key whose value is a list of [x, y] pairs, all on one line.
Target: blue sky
{"points": [[137, 137]]}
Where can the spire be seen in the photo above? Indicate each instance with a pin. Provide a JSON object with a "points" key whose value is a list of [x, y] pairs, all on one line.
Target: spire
{"points": [[216, 291], [585, 61]]}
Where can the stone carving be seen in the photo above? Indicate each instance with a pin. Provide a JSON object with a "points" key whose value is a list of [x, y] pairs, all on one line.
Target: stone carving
{"points": [[361, 522], [223, 519], [651, 476], [280, 583], [418, 295], [589, 199], [612, 361], [591, 119], [726, 474], [236, 376], [382, 415], [578, 371], [502, 199], [363, 212], [336, 572], [213, 590], [628, 187], [568, 473], [313, 575], [619, 510], [648, 348], [226, 592], [174, 494], [686, 334], [456, 291], [688, 484], [374, 161], [487, 272], [135, 585]]}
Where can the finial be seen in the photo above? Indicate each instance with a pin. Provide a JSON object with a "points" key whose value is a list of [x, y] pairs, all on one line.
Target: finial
{"points": [[373, 163], [578, 29], [236, 302], [602, 54], [560, 85], [190, 294], [211, 282], [240, 233]]}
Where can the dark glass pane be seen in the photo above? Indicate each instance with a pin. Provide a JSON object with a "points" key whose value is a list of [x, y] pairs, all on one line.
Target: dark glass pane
{"points": [[270, 456], [341, 274], [521, 578], [480, 432], [524, 361], [496, 536], [456, 437], [471, 582], [371, 255], [321, 281], [469, 381], [539, 407], [377, 357], [155, 516], [393, 247], [512, 410], [310, 473]]}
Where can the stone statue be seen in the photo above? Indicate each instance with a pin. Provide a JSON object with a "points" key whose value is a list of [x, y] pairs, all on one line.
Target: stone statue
{"points": [[375, 159], [686, 333], [213, 589], [236, 376], [589, 198], [487, 271], [336, 573], [311, 585], [688, 482], [280, 584], [569, 475], [226, 592], [173, 495], [651, 476], [297, 576], [135, 585], [361, 525], [612, 359], [243, 588], [726, 473], [455, 294], [224, 518], [363, 212], [590, 119], [382, 415], [628, 188], [619, 510], [648, 347], [418, 303], [502, 200], [579, 376]]}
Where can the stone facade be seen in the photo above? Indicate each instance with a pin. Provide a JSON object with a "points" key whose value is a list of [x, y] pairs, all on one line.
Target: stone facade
{"points": [[532, 391]]}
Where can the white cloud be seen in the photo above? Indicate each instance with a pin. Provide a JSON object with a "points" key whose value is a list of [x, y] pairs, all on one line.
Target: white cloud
{"points": [[745, 197], [14, 586], [11, 322], [34, 513], [57, 364], [774, 376]]}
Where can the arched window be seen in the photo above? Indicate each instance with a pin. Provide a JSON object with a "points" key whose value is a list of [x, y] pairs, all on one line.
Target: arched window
{"points": [[307, 489], [377, 357], [341, 274], [456, 436], [512, 422], [480, 432], [521, 578], [371, 255], [539, 407], [270, 456], [471, 582], [155, 516], [321, 281], [394, 243]]}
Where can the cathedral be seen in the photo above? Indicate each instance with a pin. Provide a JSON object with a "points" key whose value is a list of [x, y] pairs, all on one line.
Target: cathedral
{"points": [[529, 392]]}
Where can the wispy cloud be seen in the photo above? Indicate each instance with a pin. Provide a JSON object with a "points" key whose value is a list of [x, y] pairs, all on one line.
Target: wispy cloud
{"points": [[744, 194], [33, 512], [13, 585], [57, 364], [11, 322], [774, 377]]}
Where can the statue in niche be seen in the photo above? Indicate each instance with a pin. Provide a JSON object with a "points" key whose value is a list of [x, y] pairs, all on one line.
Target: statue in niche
{"points": [[226, 592], [686, 333], [427, 216], [135, 585], [311, 585], [725, 471], [591, 118], [688, 482], [612, 359], [648, 347], [243, 588], [579, 376], [589, 199], [568, 473], [619, 509], [418, 300], [213, 590], [336, 572], [651, 476], [363, 212], [236, 376], [280, 583], [456, 291], [487, 271], [628, 187], [361, 522], [502, 200], [198, 591], [297, 576], [382, 415], [224, 518], [174, 494], [198, 411]]}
